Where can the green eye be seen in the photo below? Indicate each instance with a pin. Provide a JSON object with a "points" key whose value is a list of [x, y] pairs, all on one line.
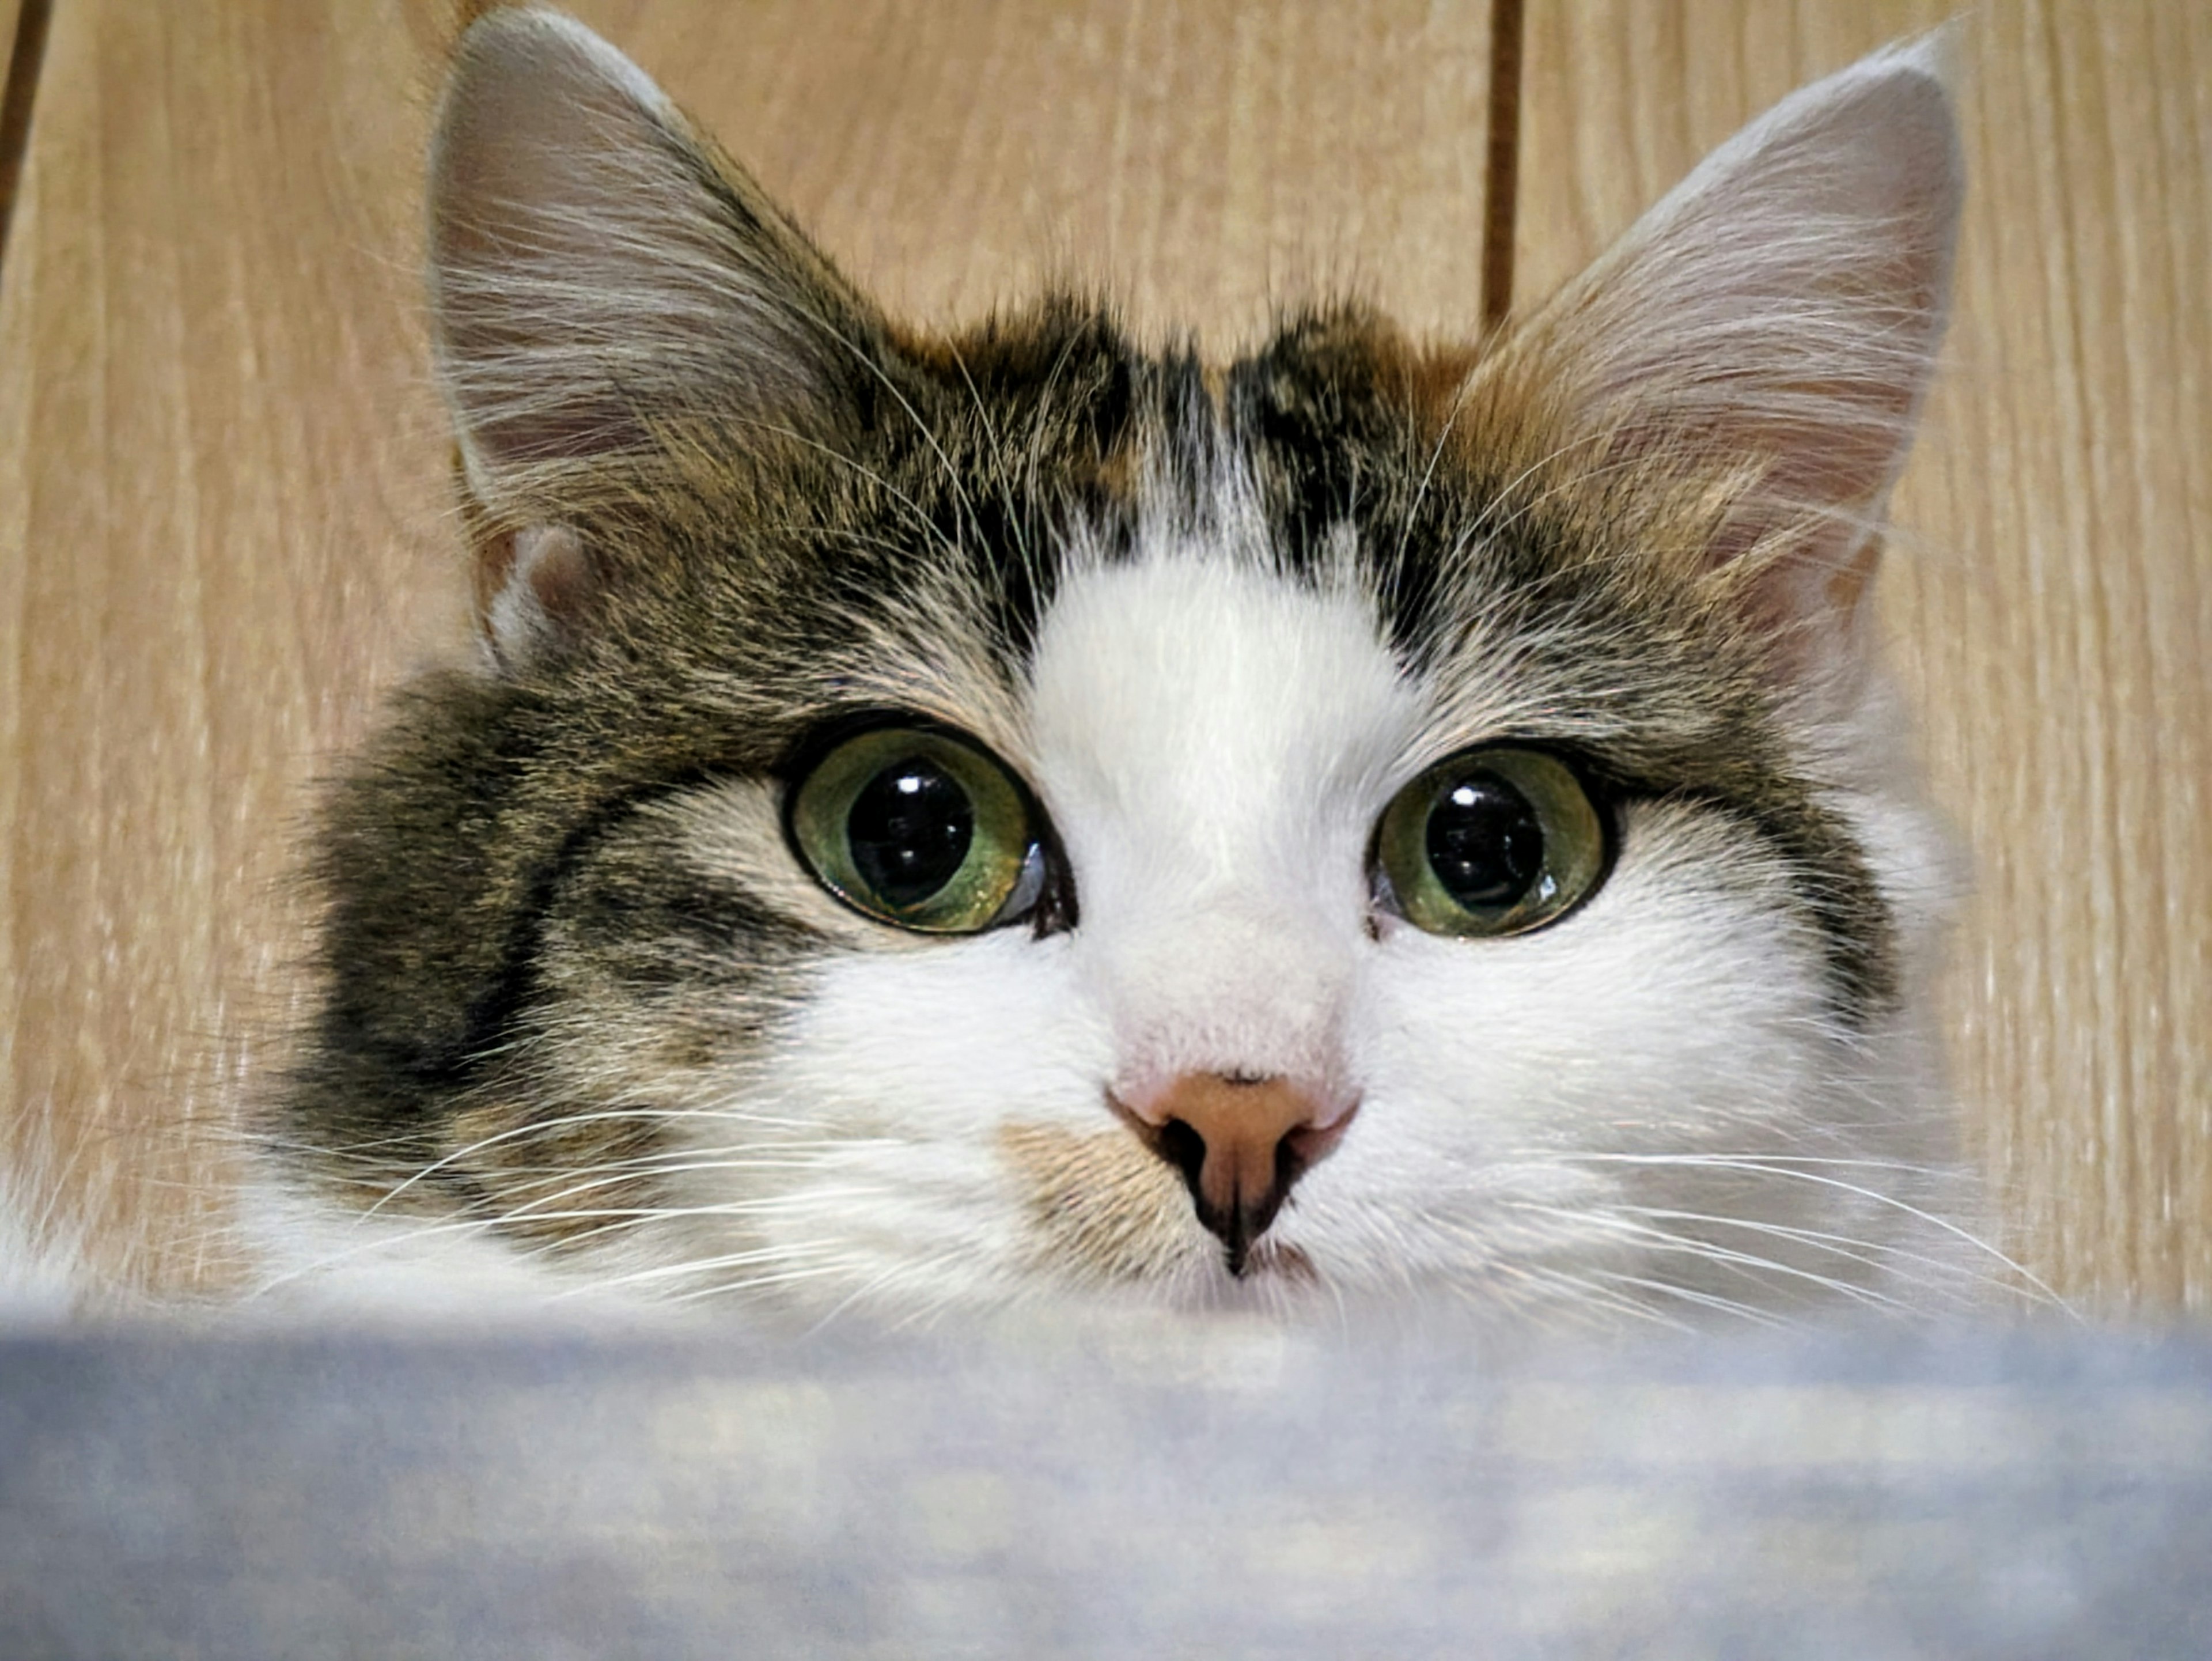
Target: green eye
{"points": [[1494, 841], [917, 829]]}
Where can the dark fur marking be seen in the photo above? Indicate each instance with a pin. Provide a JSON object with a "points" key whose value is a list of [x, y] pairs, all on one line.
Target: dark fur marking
{"points": [[465, 826], [1344, 424]]}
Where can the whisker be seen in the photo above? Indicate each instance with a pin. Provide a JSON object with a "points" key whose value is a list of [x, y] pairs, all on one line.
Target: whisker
{"points": [[1708, 1251], [998, 458], [538, 1211], [1429, 472], [1581, 1293], [929, 434], [693, 1267], [597, 1116], [853, 464], [1873, 1254], [452, 1226], [1771, 1165], [1691, 1295]]}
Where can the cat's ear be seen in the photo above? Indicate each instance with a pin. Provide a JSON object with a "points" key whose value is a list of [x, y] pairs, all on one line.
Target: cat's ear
{"points": [[601, 277], [1781, 311]]}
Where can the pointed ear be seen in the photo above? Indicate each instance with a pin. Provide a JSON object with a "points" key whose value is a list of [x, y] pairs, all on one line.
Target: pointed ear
{"points": [[1777, 316], [600, 276]]}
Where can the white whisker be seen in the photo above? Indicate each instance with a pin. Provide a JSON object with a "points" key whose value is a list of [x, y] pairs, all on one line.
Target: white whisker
{"points": [[1782, 1165]]}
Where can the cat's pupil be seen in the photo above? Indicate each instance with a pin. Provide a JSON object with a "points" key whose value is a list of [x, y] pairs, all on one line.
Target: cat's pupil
{"points": [[1485, 844], [909, 830]]}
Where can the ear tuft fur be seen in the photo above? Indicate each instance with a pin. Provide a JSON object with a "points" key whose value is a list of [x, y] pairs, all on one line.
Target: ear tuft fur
{"points": [[596, 268], [601, 281], [1774, 322], [547, 594]]}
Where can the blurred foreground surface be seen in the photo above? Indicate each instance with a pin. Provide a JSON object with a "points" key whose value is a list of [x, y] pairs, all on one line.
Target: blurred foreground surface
{"points": [[1223, 1489]]}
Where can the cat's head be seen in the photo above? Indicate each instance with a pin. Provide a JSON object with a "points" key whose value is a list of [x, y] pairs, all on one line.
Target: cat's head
{"points": [[951, 820]]}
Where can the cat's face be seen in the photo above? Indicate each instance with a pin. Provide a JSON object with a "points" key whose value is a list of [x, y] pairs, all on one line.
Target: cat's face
{"points": [[950, 822]]}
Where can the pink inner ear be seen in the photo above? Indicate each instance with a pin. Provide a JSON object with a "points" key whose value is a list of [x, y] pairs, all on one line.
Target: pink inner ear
{"points": [[527, 182], [597, 273], [551, 560], [1781, 312], [547, 591]]}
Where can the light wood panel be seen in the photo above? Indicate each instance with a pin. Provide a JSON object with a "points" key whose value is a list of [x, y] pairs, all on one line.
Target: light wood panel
{"points": [[2050, 603], [1199, 159], [223, 469], [221, 522]]}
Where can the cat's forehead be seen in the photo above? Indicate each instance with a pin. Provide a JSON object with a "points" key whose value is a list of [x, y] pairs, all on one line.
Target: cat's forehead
{"points": [[1197, 667], [1308, 540], [1306, 547]]}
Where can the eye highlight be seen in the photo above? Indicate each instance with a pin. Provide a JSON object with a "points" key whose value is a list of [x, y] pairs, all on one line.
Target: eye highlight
{"points": [[919, 830], [1492, 841]]}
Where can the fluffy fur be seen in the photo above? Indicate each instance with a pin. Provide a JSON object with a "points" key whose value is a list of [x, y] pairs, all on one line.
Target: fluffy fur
{"points": [[590, 1026]]}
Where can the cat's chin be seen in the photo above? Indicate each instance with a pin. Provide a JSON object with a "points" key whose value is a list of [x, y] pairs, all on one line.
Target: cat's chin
{"points": [[1278, 1278]]}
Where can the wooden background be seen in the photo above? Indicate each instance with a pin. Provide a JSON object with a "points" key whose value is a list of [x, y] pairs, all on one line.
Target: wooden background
{"points": [[224, 527]]}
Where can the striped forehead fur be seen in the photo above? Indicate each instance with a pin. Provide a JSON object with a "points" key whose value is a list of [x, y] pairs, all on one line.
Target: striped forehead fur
{"points": [[1487, 540]]}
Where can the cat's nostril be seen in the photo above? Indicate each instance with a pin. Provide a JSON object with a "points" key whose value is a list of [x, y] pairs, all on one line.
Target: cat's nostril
{"points": [[1183, 1148], [1240, 1142]]}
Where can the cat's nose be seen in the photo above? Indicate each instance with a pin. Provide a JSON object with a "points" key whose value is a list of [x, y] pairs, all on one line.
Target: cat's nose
{"points": [[1240, 1140]]}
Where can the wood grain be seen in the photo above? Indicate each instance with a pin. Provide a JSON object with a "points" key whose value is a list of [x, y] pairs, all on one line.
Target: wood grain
{"points": [[221, 524], [2050, 605], [1199, 159], [10, 11], [222, 471]]}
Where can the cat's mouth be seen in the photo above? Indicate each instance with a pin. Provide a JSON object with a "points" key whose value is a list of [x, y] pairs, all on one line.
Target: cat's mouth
{"points": [[1117, 1206], [1276, 1260]]}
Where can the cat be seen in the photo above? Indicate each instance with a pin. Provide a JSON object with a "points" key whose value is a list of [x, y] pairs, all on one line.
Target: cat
{"points": [[944, 824]]}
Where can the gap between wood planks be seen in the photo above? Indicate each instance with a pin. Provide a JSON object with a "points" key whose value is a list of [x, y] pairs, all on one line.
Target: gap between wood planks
{"points": [[1502, 161], [26, 54]]}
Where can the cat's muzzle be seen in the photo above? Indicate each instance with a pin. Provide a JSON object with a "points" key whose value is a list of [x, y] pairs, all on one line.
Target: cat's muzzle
{"points": [[1241, 1141]]}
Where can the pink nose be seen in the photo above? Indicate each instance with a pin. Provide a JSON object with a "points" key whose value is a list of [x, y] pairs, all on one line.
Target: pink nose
{"points": [[1240, 1142]]}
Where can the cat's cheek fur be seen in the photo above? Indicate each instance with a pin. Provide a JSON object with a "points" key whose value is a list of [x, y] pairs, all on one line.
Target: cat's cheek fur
{"points": [[45, 1275], [912, 1078], [1675, 1014], [307, 1257]]}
